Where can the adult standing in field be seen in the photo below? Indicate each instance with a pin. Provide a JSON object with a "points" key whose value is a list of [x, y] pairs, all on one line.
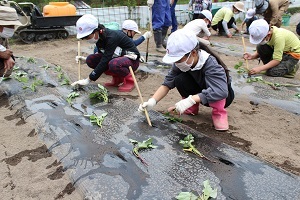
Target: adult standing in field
{"points": [[278, 48], [107, 42], [173, 4], [199, 76], [161, 21], [8, 21], [272, 10], [223, 20]]}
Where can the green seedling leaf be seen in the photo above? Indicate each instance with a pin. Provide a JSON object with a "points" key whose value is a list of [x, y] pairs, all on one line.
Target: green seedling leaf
{"points": [[146, 144], [172, 118], [187, 196], [94, 119], [102, 94], [31, 60], [15, 68], [6, 78], [58, 69], [72, 96], [298, 95], [186, 143], [65, 82], [34, 84], [21, 77], [60, 75], [45, 67], [208, 192]]}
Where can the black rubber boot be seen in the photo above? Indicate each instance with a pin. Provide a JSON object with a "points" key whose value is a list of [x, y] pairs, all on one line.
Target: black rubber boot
{"points": [[158, 41], [164, 34]]}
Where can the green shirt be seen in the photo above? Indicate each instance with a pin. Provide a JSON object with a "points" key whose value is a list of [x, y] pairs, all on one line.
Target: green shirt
{"points": [[222, 14], [283, 41]]}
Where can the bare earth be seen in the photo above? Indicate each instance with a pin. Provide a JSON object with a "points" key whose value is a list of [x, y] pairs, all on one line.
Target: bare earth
{"points": [[27, 171]]}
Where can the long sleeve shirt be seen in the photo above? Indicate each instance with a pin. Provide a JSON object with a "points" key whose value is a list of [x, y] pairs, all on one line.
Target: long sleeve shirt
{"points": [[275, 11], [197, 26], [212, 75], [112, 40]]}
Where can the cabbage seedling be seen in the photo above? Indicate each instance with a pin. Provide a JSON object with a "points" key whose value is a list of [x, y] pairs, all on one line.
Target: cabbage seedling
{"points": [[146, 144], [207, 193], [101, 95], [34, 84], [31, 60], [72, 96], [94, 119], [186, 143]]}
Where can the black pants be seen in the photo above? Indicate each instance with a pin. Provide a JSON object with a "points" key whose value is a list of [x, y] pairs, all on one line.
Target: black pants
{"points": [[186, 85], [219, 25], [285, 66]]}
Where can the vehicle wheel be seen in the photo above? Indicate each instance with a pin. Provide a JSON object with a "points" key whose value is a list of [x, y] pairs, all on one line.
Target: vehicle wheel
{"points": [[39, 38], [27, 37], [50, 36], [62, 34]]}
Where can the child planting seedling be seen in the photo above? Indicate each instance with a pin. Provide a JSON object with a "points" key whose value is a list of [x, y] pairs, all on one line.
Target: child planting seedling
{"points": [[207, 193], [146, 144], [187, 146]]}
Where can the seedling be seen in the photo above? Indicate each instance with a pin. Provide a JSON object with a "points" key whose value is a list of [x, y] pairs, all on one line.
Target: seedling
{"points": [[186, 143], [6, 78], [275, 86], [31, 60], [72, 96], [58, 68], [207, 193], [15, 68], [101, 95], [65, 81], [146, 144], [298, 95], [45, 67], [94, 119], [240, 69], [34, 84], [172, 118], [21, 77]]}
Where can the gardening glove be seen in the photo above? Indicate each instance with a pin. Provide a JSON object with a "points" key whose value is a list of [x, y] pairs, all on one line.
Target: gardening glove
{"points": [[184, 104], [81, 82], [142, 59], [148, 105], [81, 58], [131, 56], [2, 48], [150, 3], [147, 35]]}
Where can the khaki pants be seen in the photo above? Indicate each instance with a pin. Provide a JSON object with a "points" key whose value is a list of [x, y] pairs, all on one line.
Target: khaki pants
{"points": [[8, 73]]}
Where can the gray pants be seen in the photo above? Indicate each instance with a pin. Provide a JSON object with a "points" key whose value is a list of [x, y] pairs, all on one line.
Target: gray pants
{"points": [[286, 65]]}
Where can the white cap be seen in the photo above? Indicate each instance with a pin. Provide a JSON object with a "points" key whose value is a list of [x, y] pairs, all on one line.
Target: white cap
{"points": [[85, 25], [207, 14], [258, 30], [179, 43], [131, 25], [250, 13]]}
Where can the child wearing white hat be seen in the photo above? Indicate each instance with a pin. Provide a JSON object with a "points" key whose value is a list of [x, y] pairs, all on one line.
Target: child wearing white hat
{"points": [[278, 48], [199, 76], [8, 21], [249, 18]]}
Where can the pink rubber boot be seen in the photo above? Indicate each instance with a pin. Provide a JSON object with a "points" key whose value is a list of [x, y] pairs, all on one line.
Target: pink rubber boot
{"points": [[116, 80], [219, 115], [128, 84], [193, 110]]}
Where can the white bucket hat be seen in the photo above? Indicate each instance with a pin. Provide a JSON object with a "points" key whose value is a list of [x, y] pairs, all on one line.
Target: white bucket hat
{"points": [[250, 13], [9, 16], [258, 30], [207, 14], [240, 6], [179, 43], [131, 25], [85, 25], [261, 6]]}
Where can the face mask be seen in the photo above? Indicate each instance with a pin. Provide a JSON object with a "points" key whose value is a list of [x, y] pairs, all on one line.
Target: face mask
{"points": [[92, 40], [130, 35], [264, 42], [183, 66], [7, 32]]}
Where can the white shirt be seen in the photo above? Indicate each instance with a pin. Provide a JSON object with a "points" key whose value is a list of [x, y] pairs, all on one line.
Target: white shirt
{"points": [[197, 26]]}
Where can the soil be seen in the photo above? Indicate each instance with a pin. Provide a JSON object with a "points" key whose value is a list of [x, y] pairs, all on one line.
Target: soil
{"points": [[28, 170]]}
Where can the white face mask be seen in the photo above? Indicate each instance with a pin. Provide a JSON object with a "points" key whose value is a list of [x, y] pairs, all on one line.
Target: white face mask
{"points": [[184, 66], [7, 32], [92, 40]]}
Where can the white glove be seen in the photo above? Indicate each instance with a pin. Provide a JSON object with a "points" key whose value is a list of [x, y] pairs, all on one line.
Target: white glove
{"points": [[147, 35], [82, 58], [131, 56], [148, 105], [142, 59], [150, 3], [2, 48], [184, 104], [81, 82]]}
